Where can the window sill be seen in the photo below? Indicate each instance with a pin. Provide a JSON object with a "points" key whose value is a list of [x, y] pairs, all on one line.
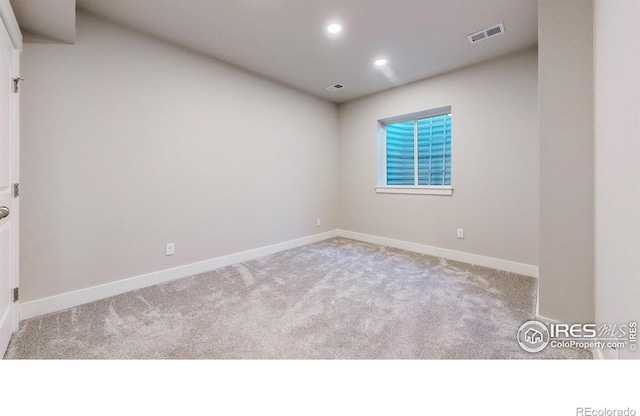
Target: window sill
{"points": [[415, 190]]}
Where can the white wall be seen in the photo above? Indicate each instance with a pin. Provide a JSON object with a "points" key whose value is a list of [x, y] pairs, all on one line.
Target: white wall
{"points": [[494, 162], [565, 53], [129, 143], [617, 162]]}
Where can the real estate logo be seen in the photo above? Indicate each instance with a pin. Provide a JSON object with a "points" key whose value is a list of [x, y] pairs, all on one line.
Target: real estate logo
{"points": [[533, 336]]}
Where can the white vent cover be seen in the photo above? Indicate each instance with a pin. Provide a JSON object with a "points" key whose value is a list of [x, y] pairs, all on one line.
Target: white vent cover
{"points": [[335, 87], [486, 33]]}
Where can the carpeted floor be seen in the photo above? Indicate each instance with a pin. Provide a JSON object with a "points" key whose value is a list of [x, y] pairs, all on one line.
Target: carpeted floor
{"points": [[339, 299]]}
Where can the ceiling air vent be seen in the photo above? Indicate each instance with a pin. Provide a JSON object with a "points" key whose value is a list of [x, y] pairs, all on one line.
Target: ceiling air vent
{"points": [[486, 33], [335, 87]]}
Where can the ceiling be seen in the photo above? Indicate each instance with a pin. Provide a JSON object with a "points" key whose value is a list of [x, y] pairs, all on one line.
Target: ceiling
{"points": [[46, 21], [287, 40]]}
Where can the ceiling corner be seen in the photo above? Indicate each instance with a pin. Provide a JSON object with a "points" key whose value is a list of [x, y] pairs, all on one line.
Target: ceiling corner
{"points": [[46, 21]]}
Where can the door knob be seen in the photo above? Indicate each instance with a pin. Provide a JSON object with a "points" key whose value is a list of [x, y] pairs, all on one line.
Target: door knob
{"points": [[4, 212]]}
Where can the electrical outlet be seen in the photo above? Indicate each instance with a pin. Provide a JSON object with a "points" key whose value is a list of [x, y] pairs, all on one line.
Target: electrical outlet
{"points": [[318, 222], [170, 249], [460, 233]]}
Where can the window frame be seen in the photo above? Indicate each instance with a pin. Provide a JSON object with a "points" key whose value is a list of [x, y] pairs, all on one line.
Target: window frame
{"points": [[381, 186]]}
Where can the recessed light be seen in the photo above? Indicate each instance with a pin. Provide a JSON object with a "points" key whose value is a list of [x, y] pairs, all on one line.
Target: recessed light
{"points": [[334, 28], [380, 62]]}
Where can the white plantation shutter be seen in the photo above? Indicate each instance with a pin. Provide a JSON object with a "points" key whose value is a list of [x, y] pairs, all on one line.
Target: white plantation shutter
{"points": [[434, 150], [418, 151], [401, 153]]}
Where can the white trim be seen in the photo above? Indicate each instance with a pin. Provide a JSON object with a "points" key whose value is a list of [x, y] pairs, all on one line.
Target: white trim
{"points": [[440, 111], [11, 24], [491, 262], [7, 326], [70, 299], [415, 190], [9, 319], [546, 320], [381, 155], [381, 152], [598, 354], [608, 354]]}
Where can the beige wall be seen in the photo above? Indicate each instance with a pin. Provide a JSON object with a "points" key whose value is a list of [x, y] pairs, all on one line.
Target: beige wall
{"points": [[494, 162], [617, 162], [129, 143], [565, 36]]}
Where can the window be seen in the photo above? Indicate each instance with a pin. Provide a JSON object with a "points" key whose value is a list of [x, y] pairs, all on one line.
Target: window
{"points": [[414, 153]]}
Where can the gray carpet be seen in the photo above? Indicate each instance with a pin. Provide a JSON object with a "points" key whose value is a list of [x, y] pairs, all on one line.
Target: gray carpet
{"points": [[337, 299]]}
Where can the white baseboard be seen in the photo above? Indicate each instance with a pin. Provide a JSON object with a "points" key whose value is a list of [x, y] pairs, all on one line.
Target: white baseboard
{"points": [[598, 354], [491, 262], [546, 320], [79, 297], [608, 354]]}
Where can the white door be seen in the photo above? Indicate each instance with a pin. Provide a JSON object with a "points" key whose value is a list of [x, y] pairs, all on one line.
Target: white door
{"points": [[8, 177]]}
